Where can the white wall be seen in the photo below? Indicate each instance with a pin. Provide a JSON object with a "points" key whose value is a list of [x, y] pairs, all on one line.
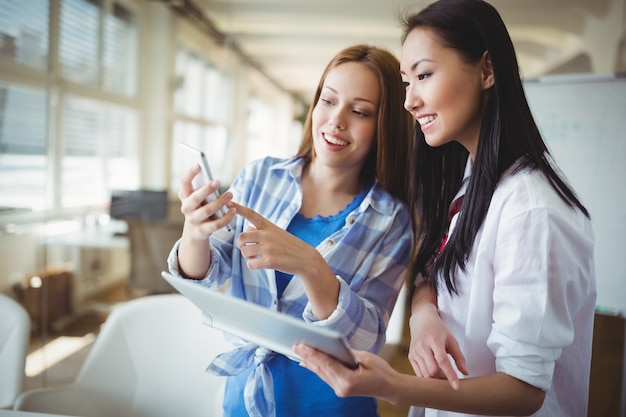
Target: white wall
{"points": [[157, 55]]}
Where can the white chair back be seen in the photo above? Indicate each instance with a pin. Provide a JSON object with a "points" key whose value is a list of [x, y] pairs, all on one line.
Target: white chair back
{"points": [[149, 360], [14, 339]]}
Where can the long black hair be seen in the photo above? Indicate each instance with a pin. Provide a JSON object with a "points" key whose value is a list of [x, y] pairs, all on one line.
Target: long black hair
{"points": [[508, 134]]}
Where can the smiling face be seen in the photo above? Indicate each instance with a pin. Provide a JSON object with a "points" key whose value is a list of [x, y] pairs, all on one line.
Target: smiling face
{"points": [[444, 93], [345, 116]]}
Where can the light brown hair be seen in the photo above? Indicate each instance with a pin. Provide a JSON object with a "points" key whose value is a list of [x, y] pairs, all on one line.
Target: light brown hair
{"points": [[389, 160]]}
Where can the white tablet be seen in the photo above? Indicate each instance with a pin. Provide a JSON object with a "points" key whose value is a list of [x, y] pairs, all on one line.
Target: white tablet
{"points": [[259, 325]]}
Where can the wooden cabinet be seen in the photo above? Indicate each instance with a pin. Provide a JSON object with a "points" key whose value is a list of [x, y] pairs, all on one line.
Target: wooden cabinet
{"points": [[48, 297], [607, 391]]}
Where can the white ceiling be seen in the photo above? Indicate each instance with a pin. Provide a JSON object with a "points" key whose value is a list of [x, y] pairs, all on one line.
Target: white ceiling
{"points": [[292, 40]]}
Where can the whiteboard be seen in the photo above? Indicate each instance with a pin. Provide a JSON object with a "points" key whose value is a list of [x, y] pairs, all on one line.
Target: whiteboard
{"points": [[583, 121]]}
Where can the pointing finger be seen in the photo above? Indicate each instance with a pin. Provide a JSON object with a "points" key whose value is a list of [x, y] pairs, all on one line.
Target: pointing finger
{"points": [[252, 216]]}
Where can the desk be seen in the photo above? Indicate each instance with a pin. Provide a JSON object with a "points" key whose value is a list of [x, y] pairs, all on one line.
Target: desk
{"points": [[98, 255], [13, 413], [108, 236]]}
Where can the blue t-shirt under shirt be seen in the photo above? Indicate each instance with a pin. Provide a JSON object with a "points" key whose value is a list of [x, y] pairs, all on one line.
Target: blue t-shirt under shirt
{"points": [[314, 230], [320, 398]]}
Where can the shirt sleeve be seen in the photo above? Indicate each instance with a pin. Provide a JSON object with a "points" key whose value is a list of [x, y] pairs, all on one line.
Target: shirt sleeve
{"points": [[210, 279], [541, 282], [367, 298]]}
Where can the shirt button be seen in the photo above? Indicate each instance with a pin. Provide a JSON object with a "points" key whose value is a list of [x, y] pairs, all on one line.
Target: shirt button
{"points": [[330, 242], [351, 220], [275, 302]]}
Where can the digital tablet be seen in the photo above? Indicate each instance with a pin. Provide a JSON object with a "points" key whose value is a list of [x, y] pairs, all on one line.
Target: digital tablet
{"points": [[254, 323]]}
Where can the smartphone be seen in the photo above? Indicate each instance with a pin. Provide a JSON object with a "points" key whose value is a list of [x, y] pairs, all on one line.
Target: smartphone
{"points": [[192, 156]]}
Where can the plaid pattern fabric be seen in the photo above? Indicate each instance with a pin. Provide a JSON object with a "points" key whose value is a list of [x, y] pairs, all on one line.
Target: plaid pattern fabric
{"points": [[369, 255]]}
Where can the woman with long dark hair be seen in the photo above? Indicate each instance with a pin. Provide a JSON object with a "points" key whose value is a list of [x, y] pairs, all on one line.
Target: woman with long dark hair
{"points": [[505, 267]]}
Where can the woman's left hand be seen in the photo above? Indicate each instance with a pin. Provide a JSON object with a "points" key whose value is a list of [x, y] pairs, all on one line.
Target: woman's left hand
{"points": [[267, 246], [373, 378]]}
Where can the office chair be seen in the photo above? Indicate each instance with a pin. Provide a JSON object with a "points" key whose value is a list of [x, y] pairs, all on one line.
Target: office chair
{"points": [[14, 339], [149, 360]]}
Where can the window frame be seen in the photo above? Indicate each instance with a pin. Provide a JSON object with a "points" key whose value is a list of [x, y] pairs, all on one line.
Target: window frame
{"points": [[57, 89]]}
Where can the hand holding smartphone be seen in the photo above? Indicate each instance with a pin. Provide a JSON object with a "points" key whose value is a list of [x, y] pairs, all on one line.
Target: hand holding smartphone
{"points": [[192, 156]]}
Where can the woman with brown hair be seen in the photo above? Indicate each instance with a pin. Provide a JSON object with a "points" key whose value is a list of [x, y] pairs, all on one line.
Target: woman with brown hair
{"points": [[325, 236]]}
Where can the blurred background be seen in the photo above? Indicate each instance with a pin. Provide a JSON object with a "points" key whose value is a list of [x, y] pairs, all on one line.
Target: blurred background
{"points": [[95, 95]]}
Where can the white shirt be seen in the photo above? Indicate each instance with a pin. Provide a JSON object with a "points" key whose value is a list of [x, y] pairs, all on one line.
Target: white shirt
{"points": [[526, 300]]}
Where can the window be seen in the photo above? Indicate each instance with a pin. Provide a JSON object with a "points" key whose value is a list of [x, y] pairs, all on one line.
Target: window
{"points": [[68, 129], [98, 48], [98, 155], [201, 111], [202, 91], [24, 32], [78, 40], [259, 128], [23, 160], [120, 51]]}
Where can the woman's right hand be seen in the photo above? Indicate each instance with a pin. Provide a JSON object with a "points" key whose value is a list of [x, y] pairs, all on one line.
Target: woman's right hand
{"points": [[194, 251], [200, 220], [432, 344]]}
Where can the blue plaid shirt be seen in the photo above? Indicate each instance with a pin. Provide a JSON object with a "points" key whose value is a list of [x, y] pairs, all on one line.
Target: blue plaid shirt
{"points": [[369, 255]]}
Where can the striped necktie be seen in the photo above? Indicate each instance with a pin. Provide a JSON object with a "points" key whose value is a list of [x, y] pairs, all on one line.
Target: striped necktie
{"points": [[455, 207]]}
